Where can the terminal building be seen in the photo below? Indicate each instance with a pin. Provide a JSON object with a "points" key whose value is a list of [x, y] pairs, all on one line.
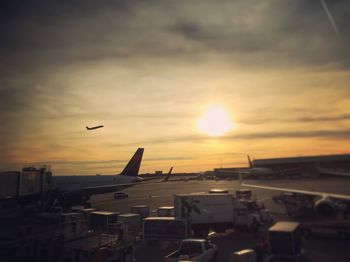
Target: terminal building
{"points": [[302, 165], [335, 162]]}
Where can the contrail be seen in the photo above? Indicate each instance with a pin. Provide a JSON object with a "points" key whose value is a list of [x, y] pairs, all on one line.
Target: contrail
{"points": [[330, 17]]}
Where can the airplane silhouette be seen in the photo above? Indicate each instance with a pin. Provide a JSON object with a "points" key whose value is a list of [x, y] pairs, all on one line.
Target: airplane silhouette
{"points": [[94, 127]]}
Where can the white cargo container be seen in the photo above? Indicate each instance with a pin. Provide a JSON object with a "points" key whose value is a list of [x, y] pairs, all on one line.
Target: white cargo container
{"points": [[211, 211], [166, 211]]}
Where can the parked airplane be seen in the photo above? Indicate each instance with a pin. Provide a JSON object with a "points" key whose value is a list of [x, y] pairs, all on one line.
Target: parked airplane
{"points": [[327, 205], [94, 127], [128, 175], [76, 190]]}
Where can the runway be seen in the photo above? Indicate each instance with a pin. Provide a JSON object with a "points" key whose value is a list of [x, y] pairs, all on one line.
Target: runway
{"points": [[161, 194]]}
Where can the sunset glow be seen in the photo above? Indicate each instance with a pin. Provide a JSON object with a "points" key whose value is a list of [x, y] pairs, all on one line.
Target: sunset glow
{"points": [[275, 73], [215, 122]]}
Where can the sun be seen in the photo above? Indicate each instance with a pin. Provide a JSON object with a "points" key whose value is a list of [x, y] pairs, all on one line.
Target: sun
{"points": [[215, 122]]}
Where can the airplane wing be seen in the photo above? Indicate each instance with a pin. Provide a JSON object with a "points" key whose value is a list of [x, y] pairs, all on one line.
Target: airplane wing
{"points": [[327, 171], [112, 188], [298, 191]]}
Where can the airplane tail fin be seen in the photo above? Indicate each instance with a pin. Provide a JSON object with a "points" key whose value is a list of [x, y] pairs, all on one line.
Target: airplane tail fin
{"points": [[133, 167], [168, 175], [251, 165]]}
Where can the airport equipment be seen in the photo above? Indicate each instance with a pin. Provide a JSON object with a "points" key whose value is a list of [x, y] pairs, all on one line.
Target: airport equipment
{"points": [[246, 255], [285, 242], [192, 249], [142, 210], [166, 211], [100, 247], [165, 228], [102, 219], [218, 212]]}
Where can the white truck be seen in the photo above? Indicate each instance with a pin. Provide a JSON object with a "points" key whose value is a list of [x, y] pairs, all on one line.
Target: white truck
{"points": [[192, 249], [218, 212]]}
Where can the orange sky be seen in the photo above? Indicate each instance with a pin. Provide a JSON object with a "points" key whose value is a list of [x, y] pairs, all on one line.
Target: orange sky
{"points": [[148, 72]]}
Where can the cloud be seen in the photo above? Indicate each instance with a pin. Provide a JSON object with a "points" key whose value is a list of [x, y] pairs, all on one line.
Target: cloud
{"points": [[323, 134], [55, 53], [304, 119], [53, 33]]}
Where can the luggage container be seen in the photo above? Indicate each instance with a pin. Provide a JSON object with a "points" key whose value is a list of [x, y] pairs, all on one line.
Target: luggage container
{"points": [[132, 221], [165, 228], [102, 219], [142, 210]]}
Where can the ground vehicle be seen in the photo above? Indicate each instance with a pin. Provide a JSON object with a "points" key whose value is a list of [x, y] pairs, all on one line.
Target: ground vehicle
{"points": [[120, 195], [213, 211], [165, 228], [285, 242], [194, 250]]}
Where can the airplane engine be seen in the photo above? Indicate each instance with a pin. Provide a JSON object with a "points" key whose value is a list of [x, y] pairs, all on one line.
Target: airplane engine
{"points": [[326, 208]]}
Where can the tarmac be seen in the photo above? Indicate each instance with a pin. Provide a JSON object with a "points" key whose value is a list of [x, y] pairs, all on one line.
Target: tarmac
{"points": [[161, 194]]}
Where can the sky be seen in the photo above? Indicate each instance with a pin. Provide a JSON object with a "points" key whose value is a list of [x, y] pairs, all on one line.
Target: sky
{"points": [[147, 70]]}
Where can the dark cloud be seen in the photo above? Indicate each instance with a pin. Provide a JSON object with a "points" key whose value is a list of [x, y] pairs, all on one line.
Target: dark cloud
{"points": [[326, 134], [322, 134], [38, 38], [245, 31], [285, 32], [304, 119]]}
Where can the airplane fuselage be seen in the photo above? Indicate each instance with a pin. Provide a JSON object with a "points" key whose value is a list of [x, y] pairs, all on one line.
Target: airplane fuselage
{"points": [[69, 183]]}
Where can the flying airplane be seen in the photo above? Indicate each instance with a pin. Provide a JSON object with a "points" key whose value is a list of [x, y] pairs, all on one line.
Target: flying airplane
{"points": [[94, 127], [77, 190], [326, 205]]}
